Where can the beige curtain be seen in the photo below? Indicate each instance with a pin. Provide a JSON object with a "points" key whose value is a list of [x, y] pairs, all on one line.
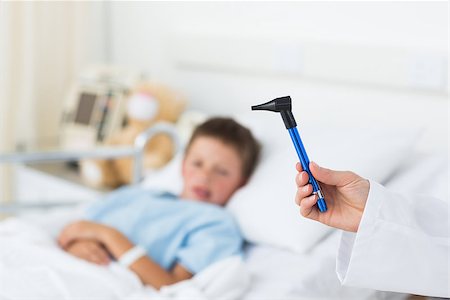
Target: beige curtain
{"points": [[43, 45]]}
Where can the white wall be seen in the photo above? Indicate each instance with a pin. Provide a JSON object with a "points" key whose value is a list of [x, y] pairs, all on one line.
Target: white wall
{"points": [[43, 46], [342, 62]]}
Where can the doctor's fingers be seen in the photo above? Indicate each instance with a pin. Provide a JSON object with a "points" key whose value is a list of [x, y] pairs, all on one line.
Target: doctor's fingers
{"points": [[303, 192], [301, 179], [308, 208]]}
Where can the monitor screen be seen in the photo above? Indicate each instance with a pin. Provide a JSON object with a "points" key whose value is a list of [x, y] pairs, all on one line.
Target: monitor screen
{"points": [[86, 103]]}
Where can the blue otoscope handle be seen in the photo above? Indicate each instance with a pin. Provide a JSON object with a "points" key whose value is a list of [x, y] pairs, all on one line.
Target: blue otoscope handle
{"points": [[304, 161]]}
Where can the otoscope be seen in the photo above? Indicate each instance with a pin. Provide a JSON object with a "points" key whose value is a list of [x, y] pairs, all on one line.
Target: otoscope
{"points": [[283, 105]]}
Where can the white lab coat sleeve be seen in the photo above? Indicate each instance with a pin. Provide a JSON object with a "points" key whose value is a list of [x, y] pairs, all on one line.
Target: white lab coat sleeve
{"points": [[402, 245]]}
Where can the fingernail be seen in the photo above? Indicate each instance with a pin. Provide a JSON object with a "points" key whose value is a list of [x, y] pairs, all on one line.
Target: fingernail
{"points": [[315, 165]]}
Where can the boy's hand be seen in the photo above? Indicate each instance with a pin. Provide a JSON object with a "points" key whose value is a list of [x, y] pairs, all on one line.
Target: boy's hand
{"points": [[84, 230], [89, 250], [345, 194]]}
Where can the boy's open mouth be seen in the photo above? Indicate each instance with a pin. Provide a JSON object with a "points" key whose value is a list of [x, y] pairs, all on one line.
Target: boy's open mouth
{"points": [[201, 193]]}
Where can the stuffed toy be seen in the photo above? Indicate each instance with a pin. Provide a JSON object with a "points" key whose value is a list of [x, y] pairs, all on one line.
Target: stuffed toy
{"points": [[149, 103]]}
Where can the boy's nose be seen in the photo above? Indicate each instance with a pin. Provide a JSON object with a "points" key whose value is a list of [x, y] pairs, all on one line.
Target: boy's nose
{"points": [[204, 175]]}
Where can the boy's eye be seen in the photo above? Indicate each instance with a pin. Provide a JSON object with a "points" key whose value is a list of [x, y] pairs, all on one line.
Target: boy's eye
{"points": [[197, 163], [222, 172]]}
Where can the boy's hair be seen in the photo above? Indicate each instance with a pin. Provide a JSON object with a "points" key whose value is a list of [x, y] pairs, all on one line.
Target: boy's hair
{"points": [[234, 134]]}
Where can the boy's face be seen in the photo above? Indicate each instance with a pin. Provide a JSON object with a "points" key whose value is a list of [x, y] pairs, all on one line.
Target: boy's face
{"points": [[212, 171]]}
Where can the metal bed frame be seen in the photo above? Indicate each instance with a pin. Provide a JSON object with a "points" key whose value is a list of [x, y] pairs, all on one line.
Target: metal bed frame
{"points": [[136, 151]]}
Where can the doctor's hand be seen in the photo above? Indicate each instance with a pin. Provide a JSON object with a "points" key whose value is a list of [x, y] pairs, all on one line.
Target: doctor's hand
{"points": [[89, 250], [345, 194]]}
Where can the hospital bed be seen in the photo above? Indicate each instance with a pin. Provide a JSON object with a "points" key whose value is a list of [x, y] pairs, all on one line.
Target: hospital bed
{"points": [[286, 257]]}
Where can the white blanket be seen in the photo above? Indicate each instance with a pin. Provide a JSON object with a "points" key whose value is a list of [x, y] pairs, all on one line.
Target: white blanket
{"points": [[32, 266]]}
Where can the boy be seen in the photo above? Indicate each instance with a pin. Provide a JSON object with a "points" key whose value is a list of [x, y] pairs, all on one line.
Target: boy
{"points": [[179, 238]]}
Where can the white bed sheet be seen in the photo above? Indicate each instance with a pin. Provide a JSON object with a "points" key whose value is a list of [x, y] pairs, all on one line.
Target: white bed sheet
{"points": [[32, 266], [280, 274], [274, 273]]}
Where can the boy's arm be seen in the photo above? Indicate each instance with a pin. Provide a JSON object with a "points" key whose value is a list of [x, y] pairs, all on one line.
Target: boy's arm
{"points": [[148, 270], [117, 244]]}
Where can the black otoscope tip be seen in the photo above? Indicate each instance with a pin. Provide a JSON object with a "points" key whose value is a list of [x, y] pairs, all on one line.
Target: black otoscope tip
{"points": [[282, 105], [276, 105]]}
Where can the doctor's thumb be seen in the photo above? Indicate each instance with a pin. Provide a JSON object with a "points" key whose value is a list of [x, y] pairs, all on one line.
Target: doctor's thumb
{"points": [[327, 176]]}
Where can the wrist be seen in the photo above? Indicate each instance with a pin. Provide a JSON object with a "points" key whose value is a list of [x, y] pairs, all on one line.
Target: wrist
{"points": [[365, 193], [115, 242], [107, 235], [130, 256]]}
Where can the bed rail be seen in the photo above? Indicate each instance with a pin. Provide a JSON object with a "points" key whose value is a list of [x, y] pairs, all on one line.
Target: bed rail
{"points": [[136, 151]]}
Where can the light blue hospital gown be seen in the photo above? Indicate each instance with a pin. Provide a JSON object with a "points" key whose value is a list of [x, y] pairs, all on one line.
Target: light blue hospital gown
{"points": [[191, 233]]}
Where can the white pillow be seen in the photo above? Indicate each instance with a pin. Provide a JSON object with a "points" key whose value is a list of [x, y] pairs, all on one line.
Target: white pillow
{"points": [[265, 207], [168, 178]]}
